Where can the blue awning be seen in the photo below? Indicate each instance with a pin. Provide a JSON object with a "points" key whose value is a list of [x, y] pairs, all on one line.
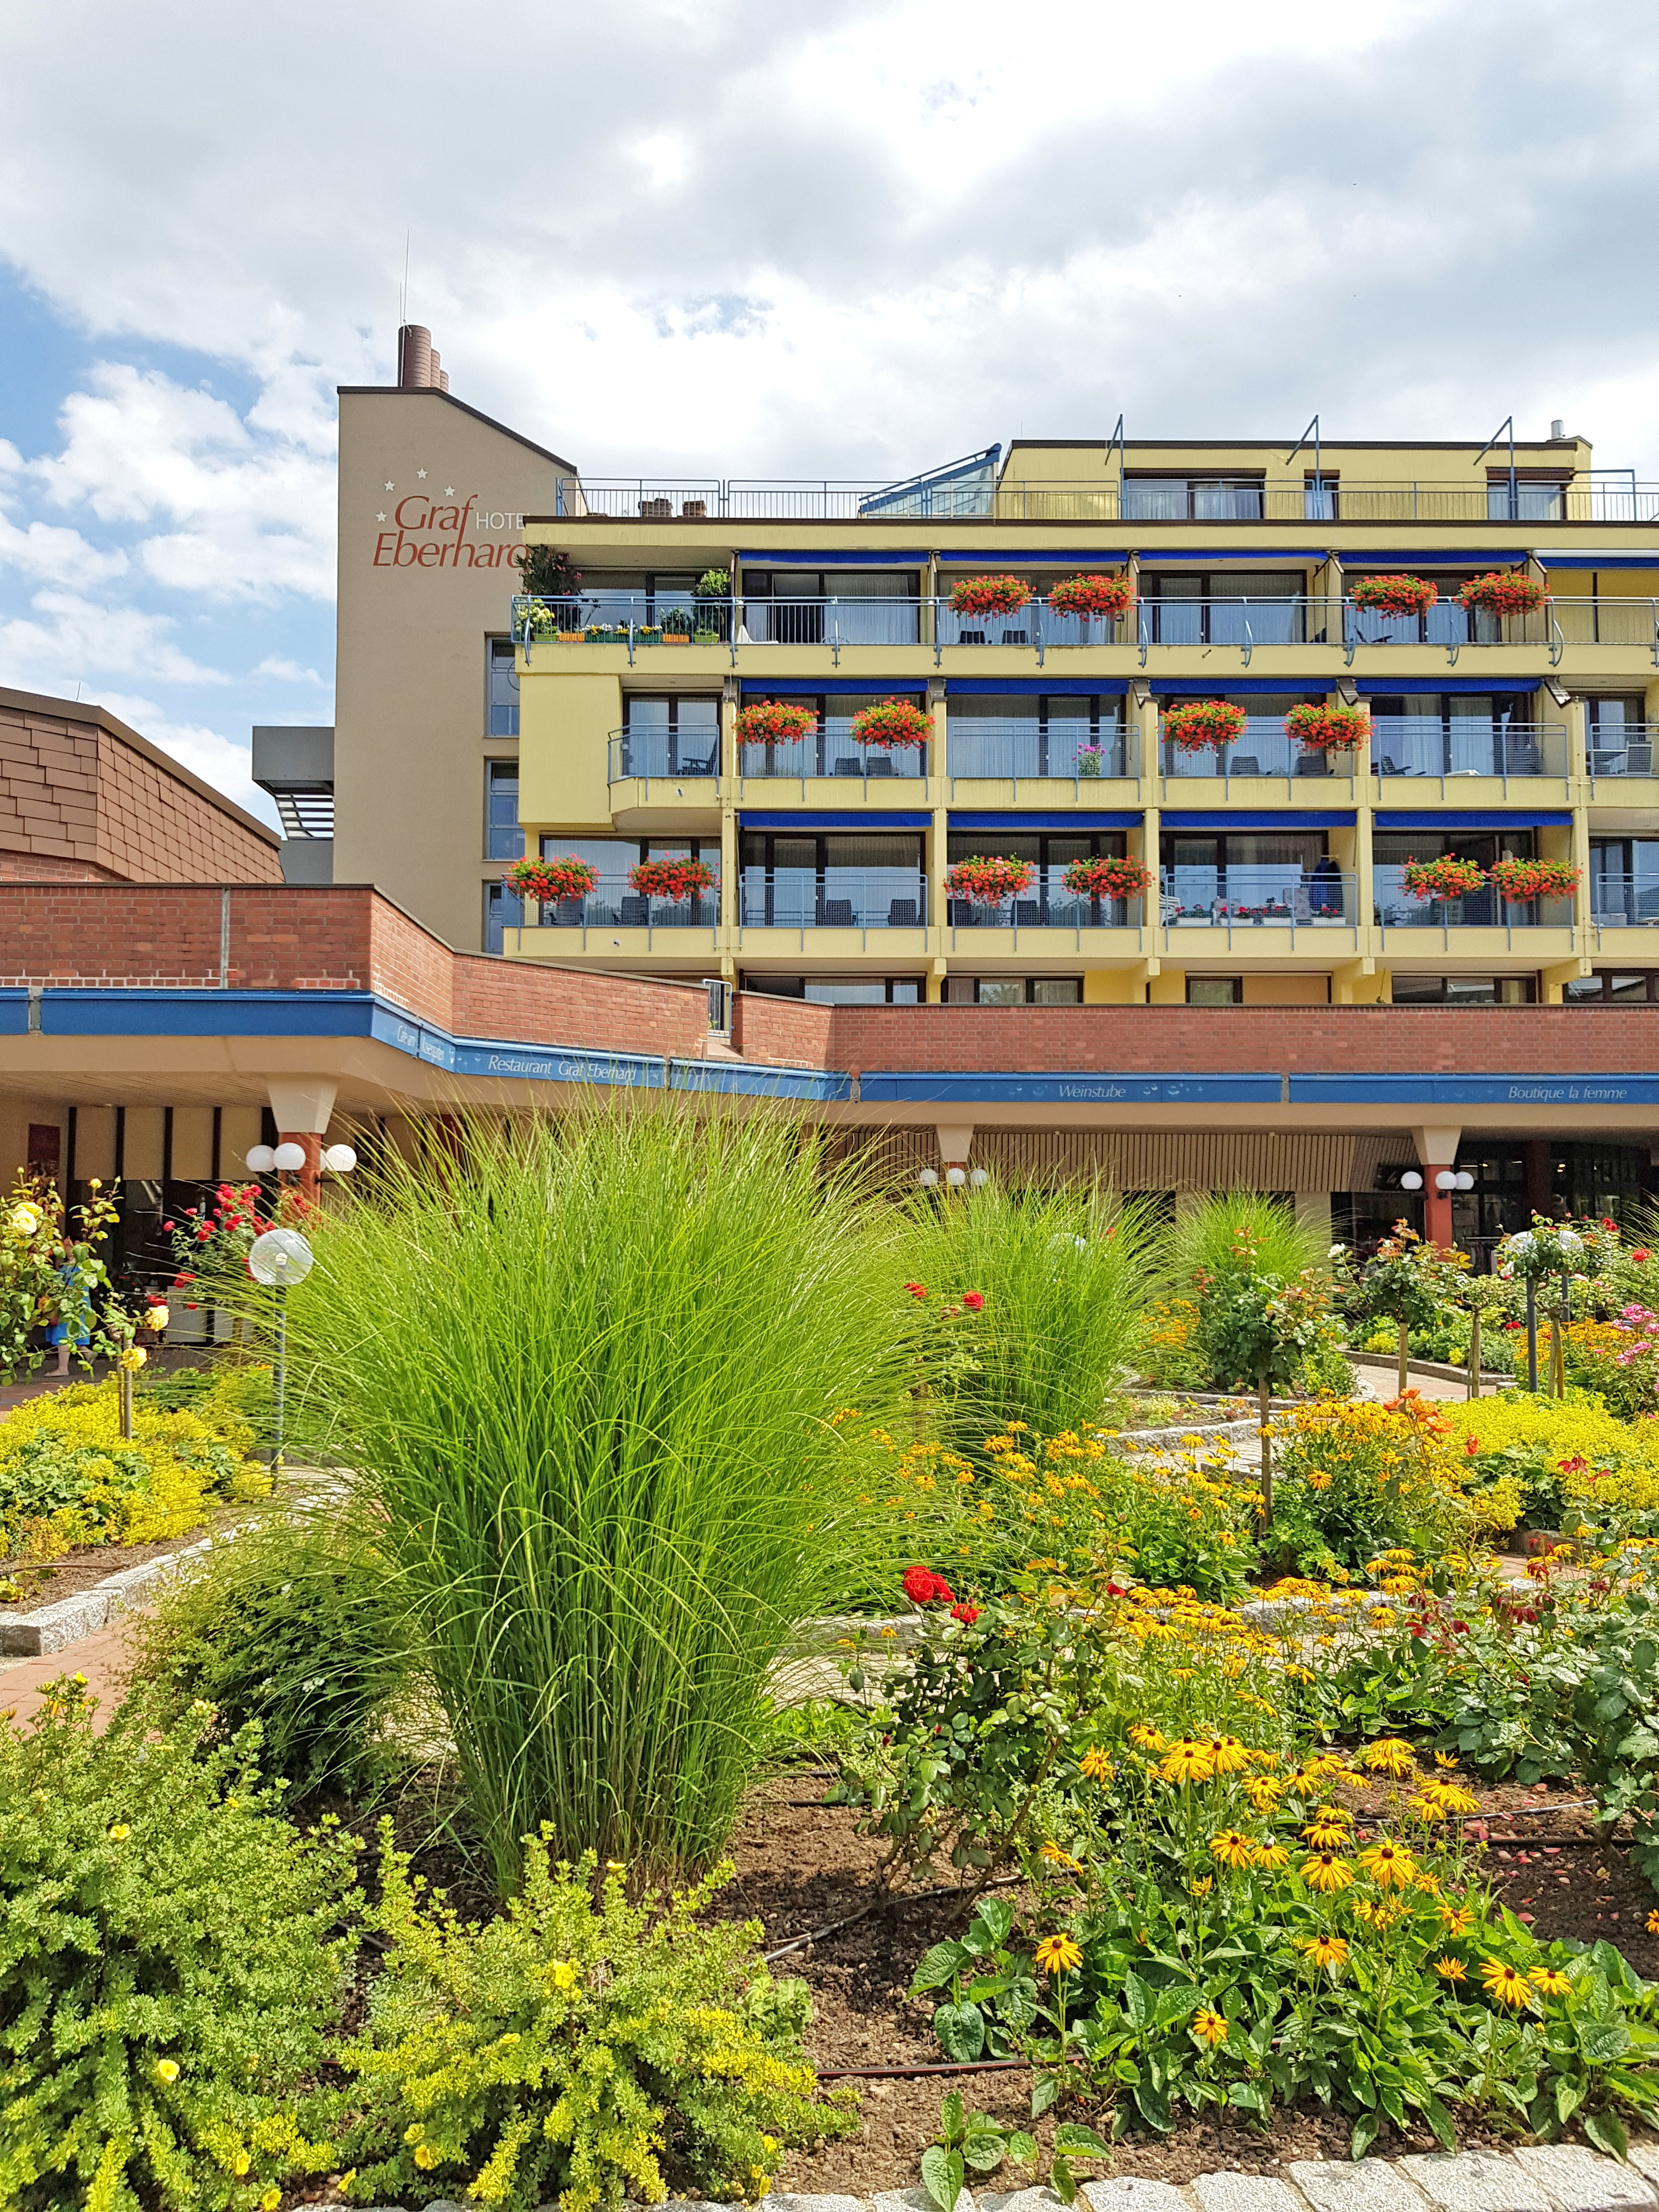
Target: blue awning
{"points": [[1065, 687], [1597, 560], [833, 686], [1082, 821], [829, 558], [868, 819], [1184, 687], [1250, 819], [1402, 687], [1044, 558], [1517, 817]]}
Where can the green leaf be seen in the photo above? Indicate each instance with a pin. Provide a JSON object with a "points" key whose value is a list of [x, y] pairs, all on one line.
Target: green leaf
{"points": [[1082, 2142], [1366, 2129], [995, 1916], [950, 2119], [1602, 2041], [936, 2178], [1569, 2096], [961, 2031], [985, 2149], [1043, 2094], [1061, 2179], [1607, 2132], [1022, 2147], [1441, 2120], [937, 1967]]}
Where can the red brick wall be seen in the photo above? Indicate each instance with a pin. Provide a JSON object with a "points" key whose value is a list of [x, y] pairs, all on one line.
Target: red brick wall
{"points": [[785, 1032]]}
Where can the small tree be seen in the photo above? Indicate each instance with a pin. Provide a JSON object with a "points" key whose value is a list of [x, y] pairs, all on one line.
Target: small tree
{"points": [[546, 573], [1262, 1329], [1409, 1282]]}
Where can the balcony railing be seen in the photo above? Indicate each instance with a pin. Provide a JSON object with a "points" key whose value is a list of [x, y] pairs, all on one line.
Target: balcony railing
{"points": [[1245, 622], [1264, 750], [1624, 901], [1045, 905], [1628, 751], [834, 622], [1487, 908], [667, 754], [832, 753], [1424, 745], [1258, 895], [615, 905], [1008, 747], [834, 898]]}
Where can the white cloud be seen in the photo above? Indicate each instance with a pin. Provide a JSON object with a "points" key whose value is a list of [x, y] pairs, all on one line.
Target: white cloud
{"points": [[78, 640], [288, 671], [63, 555]]}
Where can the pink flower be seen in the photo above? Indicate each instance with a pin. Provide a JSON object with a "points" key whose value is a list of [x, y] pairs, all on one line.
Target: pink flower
{"points": [[973, 1300]]}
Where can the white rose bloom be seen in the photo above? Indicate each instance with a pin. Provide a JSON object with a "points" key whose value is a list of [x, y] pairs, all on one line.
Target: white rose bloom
{"points": [[24, 1221]]}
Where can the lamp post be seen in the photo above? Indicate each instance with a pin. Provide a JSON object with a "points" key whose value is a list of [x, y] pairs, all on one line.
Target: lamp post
{"points": [[277, 1258]]}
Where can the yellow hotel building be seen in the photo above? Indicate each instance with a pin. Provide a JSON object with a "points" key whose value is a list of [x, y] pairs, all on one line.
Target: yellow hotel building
{"points": [[1277, 872]]}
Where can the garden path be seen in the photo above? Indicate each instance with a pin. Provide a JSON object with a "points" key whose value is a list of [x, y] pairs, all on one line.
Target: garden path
{"points": [[1380, 1379], [103, 1658]]}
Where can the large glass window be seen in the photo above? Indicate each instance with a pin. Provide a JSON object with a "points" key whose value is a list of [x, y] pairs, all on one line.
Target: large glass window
{"points": [[1618, 740], [1625, 881], [1289, 874], [1463, 990], [817, 606], [1045, 900], [842, 990], [1192, 499], [832, 750], [845, 881], [1027, 733], [1525, 502], [503, 838], [670, 736], [1224, 606], [1608, 987], [1458, 733], [1397, 907], [501, 686], [1013, 990]]}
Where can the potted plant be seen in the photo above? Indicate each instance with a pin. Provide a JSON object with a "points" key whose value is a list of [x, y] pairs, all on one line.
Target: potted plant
{"points": [[1393, 595], [712, 592], [605, 634], [987, 882], [1445, 878], [676, 626], [1090, 595], [774, 723], [1521, 882], [1502, 592], [1091, 760], [649, 633], [893, 724], [1197, 724], [671, 879], [551, 881], [1326, 729], [990, 595], [1107, 877]]}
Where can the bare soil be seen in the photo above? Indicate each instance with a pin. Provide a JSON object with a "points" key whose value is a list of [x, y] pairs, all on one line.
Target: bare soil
{"points": [[42, 1582]]}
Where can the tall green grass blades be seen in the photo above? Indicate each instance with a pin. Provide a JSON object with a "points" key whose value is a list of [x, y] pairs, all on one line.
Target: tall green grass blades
{"points": [[1064, 1278], [1238, 1232], [588, 1373]]}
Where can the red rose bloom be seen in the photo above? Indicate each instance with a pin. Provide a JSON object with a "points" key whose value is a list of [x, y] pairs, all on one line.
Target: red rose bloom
{"points": [[967, 1615], [973, 1300], [917, 1290], [920, 1585]]}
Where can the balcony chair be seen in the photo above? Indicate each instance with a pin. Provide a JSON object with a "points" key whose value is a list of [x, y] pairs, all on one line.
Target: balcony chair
{"points": [[1027, 913], [1523, 758], [836, 913], [1245, 764], [971, 637], [878, 764], [904, 913], [1016, 637], [569, 914], [635, 914], [1312, 765], [1638, 760], [848, 764], [705, 766]]}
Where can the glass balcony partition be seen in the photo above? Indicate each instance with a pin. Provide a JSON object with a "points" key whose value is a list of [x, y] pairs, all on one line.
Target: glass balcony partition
{"points": [[614, 904], [829, 621], [1259, 894], [1085, 746], [1472, 743], [1045, 905], [1272, 619], [780, 898], [832, 750], [1624, 901], [1448, 623], [1398, 909], [1618, 742], [1263, 750]]}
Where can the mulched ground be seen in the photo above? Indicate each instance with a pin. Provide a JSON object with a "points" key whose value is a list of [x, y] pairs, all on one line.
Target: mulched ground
{"points": [[83, 1564], [801, 1866]]}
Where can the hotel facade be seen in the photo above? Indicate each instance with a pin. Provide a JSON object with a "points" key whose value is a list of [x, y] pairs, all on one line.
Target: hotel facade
{"points": [[1213, 964]]}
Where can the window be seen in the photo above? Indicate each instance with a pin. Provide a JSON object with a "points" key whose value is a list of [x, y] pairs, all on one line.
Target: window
{"points": [[1397, 907], [503, 909], [1192, 499], [503, 838], [1606, 986], [1045, 900], [814, 606], [1226, 606], [1464, 990], [1529, 500], [1290, 877], [1618, 739], [670, 736], [842, 990], [1013, 990], [832, 750], [501, 718], [1215, 990], [801, 880], [1048, 734], [1458, 733], [1625, 882]]}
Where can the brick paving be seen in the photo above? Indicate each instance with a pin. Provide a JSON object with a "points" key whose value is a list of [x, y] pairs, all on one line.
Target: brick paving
{"points": [[104, 1659]]}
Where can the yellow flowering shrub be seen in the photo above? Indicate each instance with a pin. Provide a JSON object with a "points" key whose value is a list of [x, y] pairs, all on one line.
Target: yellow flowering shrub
{"points": [[68, 1477], [1359, 1479], [1596, 1457], [576, 2051]]}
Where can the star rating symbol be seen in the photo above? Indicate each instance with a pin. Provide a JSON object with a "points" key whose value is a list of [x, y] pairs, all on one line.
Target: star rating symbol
{"points": [[390, 485], [449, 491], [420, 472], [380, 517]]}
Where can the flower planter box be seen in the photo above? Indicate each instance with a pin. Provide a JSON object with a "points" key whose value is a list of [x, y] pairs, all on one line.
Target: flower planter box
{"points": [[895, 725], [1395, 595], [1501, 592], [1092, 598], [990, 595]]}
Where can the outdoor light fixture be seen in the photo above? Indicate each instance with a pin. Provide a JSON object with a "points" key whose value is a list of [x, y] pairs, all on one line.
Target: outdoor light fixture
{"points": [[927, 1177], [1446, 1180], [276, 1260], [1464, 1179], [288, 1158], [261, 1160], [1411, 1180], [339, 1159], [955, 1177], [980, 1178]]}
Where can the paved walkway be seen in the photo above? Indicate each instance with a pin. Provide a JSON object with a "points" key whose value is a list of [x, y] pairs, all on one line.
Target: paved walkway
{"points": [[104, 1659]]}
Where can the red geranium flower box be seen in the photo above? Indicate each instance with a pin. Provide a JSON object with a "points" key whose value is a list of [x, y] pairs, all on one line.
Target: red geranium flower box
{"points": [[987, 882], [893, 724], [551, 881], [1523, 881], [1443, 879], [774, 723], [1199, 723], [1395, 595], [1107, 877], [990, 595], [671, 879], [1326, 729], [1503, 593], [1092, 595]]}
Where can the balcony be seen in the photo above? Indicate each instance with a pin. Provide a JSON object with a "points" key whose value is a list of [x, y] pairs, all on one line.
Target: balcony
{"points": [[1259, 905], [832, 622], [668, 756], [615, 917], [1482, 920], [1290, 619], [828, 909], [831, 755], [1007, 750], [1423, 746], [1049, 919], [1624, 903], [1621, 753], [1264, 751]]}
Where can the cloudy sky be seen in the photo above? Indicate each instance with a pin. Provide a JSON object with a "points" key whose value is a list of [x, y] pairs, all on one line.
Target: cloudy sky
{"points": [[757, 237]]}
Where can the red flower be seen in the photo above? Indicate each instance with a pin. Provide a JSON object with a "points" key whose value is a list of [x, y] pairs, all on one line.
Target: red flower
{"points": [[1640, 1253], [921, 1585], [1115, 1589], [1574, 1466], [917, 1290], [967, 1615], [1471, 1445], [973, 1300], [166, 1224]]}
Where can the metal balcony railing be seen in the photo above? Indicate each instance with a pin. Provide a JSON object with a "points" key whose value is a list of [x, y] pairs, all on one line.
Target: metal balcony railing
{"points": [[614, 904], [1245, 622], [1627, 750], [1010, 747], [1624, 901], [1045, 905], [1264, 750], [1397, 909], [833, 898], [669, 754], [1425, 745], [831, 752], [834, 622], [1258, 895]]}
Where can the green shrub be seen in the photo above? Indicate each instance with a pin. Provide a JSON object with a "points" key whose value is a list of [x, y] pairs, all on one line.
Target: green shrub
{"points": [[297, 1624], [588, 1374], [168, 1966], [1064, 1278], [576, 2052], [1247, 1284], [234, 1397]]}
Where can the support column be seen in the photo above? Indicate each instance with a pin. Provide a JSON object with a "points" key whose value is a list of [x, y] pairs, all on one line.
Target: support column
{"points": [[937, 787], [1540, 1184], [730, 879], [300, 1107], [1436, 1150]]}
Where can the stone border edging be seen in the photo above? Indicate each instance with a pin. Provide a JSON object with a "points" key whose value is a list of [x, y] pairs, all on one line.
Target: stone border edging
{"points": [[67, 1619], [1542, 2178]]}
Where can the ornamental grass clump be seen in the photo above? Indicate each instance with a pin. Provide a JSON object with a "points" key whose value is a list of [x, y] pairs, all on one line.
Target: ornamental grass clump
{"points": [[171, 1965], [580, 2050], [585, 1373], [1064, 1278]]}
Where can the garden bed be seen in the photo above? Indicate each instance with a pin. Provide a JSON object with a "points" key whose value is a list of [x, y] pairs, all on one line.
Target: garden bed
{"points": [[802, 1866]]}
